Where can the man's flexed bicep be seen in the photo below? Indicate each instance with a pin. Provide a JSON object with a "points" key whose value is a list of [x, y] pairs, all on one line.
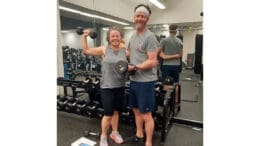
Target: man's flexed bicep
{"points": [[150, 62]]}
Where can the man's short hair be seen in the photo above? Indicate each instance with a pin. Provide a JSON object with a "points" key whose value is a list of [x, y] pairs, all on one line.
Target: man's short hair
{"points": [[173, 28]]}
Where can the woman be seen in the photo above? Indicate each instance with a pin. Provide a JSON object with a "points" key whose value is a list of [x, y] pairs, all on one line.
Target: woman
{"points": [[112, 83]]}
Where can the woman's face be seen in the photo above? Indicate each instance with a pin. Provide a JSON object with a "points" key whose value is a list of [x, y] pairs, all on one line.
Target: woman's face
{"points": [[115, 38]]}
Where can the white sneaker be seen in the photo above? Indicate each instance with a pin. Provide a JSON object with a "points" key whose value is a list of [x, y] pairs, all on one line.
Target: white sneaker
{"points": [[103, 141]]}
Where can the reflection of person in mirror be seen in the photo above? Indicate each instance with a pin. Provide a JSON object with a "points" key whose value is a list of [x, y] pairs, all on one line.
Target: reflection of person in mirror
{"points": [[112, 83], [143, 48], [171, 52]]}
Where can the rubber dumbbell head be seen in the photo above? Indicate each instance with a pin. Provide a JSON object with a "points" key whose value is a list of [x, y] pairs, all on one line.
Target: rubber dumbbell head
{"points": [[92, 34], [80, 30], [121, 67], [168, 81]]}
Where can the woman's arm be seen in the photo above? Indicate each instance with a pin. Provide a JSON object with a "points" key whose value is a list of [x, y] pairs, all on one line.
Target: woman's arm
{"points": [[97, 51]]}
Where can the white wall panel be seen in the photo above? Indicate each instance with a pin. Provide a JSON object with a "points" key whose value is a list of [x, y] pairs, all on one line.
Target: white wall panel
{"points": [[189, 42], [60, 70], [73, 40], [178, 11]]}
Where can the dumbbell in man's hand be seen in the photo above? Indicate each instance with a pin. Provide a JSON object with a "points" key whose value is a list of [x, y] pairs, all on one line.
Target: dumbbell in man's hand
{"points": [[123, 67]]}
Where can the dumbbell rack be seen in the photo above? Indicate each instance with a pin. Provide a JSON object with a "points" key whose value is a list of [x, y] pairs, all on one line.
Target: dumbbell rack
{"points": [[91, 108], [74, 84], [170, 109], [70, 83]]}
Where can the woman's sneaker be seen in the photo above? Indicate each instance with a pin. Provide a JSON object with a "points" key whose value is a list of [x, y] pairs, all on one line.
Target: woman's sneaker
{"points": [[103, 141], [116, 137]]}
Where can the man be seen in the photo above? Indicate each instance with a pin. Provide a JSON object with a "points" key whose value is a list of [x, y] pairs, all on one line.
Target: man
{"points": [[171, 53], [143, 48]]}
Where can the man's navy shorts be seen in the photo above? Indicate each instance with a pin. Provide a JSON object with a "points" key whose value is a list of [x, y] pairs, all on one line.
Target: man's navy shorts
{"points": [[142, 96]]}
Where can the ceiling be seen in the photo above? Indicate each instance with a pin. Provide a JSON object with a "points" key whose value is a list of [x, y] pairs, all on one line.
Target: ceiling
{"points": [[71, 20]]}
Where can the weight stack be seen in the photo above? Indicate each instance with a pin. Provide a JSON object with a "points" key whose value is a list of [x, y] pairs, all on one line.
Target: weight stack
{"points": [[198, 53]]}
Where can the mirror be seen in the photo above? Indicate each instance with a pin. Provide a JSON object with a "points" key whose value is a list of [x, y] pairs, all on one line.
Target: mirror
{"points": [[75, 13]]}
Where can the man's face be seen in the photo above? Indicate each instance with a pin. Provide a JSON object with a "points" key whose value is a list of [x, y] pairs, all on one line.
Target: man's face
{"points": [[140, 20]]}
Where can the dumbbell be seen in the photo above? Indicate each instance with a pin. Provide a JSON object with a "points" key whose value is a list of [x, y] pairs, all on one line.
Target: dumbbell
{"points": [[70, 105], [87, 82], [65, 49], [122, 67], [96, 81], [80, 30], [89, 133], [100, 112], [168, 81], [91, 109], [81, 102], [61, 102], [81, 107]]}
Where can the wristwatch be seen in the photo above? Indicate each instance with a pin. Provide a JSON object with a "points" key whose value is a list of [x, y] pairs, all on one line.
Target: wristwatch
{"points": [[135, 67]]}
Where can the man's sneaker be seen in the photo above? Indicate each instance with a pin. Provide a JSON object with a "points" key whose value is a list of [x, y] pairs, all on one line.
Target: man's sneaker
{"points": [[134, 139], [116, 137], [103, 141]]}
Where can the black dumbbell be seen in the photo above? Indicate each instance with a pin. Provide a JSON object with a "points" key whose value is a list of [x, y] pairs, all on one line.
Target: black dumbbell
{"points": [[168, 81], [96, 81], [80, 106], [91, 109], [65, 49], [61, 103], [100, 112], [70, 105], [80, 30], [122, 67], [89, 133]]}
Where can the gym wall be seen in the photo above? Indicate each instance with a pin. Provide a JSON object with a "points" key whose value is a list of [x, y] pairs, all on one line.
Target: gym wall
{"points": [[182, 11], [73, 40], [189, 42], [60, 70]]}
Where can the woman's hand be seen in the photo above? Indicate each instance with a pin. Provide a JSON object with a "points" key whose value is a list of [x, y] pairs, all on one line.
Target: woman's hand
{"points": [[85, 32]]}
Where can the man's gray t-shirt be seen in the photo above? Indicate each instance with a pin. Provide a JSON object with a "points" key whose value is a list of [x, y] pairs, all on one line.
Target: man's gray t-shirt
{"points": [[139, 45], [170, 46]]}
